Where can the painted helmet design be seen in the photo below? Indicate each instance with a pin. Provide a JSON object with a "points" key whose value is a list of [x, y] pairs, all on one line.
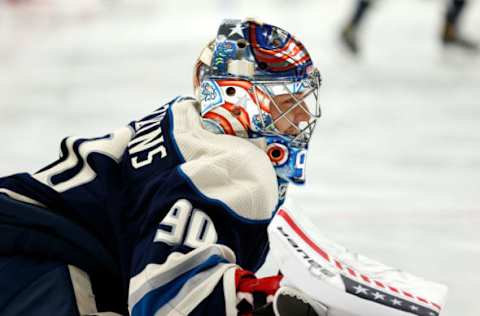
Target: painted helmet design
{"points": [[256, 80]]}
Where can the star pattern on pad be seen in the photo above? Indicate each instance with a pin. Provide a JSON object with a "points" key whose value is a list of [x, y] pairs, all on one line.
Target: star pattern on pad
{"points": [[396, 302], [360, 290], [378, 296], [386, 298]]}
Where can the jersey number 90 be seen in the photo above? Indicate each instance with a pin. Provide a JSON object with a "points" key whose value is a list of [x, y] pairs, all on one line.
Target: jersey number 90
{"points": [[186, 225]]}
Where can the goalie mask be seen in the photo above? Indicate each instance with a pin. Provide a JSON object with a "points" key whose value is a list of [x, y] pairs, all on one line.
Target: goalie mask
{"points": [[257, 81]]}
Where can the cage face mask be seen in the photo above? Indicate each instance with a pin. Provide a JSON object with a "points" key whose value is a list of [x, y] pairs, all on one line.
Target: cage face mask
{"points": [[257, 81]]}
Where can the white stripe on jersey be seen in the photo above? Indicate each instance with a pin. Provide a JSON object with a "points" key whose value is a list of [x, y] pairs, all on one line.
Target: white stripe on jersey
{"points": [[112, 146], [156, 275], [230, 293], [20, 197], [195, 291]]}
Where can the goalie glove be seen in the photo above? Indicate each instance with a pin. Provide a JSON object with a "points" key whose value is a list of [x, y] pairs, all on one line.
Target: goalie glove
{"points": [[265, 297], [255, 295]]}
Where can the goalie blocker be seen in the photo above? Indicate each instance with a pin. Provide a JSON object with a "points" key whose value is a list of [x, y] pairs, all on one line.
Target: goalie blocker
{"points": [[322, 276]]}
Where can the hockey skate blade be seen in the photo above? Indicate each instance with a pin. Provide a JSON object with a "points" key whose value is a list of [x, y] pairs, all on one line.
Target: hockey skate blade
{"points": [[291, 302]]}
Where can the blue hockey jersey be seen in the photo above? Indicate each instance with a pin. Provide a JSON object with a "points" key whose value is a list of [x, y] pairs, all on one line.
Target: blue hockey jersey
{"points": [[161, 211]]}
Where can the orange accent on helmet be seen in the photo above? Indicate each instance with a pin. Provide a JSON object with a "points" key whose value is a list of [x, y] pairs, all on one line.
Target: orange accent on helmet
{"points": [[248, 86], [224, 123], [277, 154], [242, 116]]}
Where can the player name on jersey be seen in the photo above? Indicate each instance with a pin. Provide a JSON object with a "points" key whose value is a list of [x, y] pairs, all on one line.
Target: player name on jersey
{"points": [[148, 139]]}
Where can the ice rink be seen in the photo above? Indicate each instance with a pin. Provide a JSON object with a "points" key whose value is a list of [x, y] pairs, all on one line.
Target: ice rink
{"points": [[394, 167]]}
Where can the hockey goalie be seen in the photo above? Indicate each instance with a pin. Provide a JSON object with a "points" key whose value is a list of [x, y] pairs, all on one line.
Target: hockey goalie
{"points": [[169, 215]]}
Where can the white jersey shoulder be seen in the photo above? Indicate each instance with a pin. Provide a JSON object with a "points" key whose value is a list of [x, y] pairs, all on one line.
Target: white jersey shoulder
{"points": [[223, 167]]}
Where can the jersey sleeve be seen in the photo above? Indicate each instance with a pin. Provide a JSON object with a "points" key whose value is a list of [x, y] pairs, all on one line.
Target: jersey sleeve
{"points": [[198, 282], [82, 177], [69, 212]]}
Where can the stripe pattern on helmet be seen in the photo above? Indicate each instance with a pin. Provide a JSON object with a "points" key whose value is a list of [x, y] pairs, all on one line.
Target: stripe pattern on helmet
{"points": [[278, 53]]}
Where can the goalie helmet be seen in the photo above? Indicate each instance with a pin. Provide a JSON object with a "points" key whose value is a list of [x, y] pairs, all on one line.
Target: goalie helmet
{"points": [[257, 81]]}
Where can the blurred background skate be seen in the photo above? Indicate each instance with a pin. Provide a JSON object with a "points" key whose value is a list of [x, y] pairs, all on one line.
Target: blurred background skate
{"points": [[450, 34]]}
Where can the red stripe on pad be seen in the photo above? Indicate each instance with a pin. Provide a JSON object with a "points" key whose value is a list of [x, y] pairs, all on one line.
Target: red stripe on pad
{"points": [[408, 294], [322, 253], [393, 289], [351, 272], [365, 278], [339, 265], [302, 235], [422, 300], [437, 306]]}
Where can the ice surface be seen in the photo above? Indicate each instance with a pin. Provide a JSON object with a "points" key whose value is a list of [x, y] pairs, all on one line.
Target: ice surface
{"points": [[394, 167]]}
